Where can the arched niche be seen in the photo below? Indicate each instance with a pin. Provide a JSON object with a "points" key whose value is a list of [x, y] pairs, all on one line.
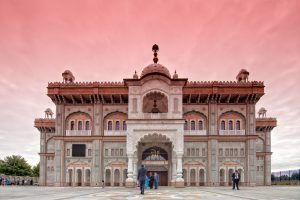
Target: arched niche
{"points": [[78, 121], [155, 102], [232, 120], [195, 120], [115, 121]]}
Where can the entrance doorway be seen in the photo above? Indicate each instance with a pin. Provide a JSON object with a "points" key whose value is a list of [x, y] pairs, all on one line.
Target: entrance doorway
{"points": [[163, 177], [155, 160]]}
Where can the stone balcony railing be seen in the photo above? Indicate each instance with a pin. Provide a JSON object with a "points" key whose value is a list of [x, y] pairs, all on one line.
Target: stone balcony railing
{"points": [[231, 132], [155, 115], [114, 132], [78, 132], [195, 132]]}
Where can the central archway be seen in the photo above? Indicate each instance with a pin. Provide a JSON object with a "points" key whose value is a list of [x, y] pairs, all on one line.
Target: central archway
{"points": [[154, 152]]}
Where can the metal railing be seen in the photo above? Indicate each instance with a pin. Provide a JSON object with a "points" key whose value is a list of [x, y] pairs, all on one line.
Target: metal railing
{"points": [[78, 132]]}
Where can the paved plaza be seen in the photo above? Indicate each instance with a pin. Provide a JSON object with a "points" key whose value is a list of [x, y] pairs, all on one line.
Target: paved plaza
{"points": [[207, 193]]}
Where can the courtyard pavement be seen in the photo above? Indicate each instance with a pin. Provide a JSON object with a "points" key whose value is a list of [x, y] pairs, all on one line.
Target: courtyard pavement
{"points": [[120, 193]]}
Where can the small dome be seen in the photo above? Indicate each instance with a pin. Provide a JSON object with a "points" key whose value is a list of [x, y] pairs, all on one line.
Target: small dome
{"points": [[243, 71], [48, 110], [155, 68]]}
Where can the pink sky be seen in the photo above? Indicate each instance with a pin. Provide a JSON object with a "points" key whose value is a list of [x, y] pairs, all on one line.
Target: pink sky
{"points": [[108, 40]]}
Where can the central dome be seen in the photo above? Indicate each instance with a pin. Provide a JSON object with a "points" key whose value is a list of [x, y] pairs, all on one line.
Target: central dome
{"points": [[155, 68]]}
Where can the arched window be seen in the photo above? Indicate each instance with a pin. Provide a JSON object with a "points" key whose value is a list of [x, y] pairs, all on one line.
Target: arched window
{"points": [[124, 125], [109, 125], [230, 125], [193, 125], [72, 125], [200, 125], [79, 125], [117, 125], [185, 125], [87, 125], [222, 125], [238, 125]]}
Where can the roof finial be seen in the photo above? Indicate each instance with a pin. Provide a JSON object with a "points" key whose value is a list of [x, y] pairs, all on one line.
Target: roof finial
{"points": [[135, 76], [155, 49], [175, 76]]}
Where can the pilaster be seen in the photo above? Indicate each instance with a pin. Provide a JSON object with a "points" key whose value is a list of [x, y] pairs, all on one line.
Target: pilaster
{"points": [[250, 168], [95, 170]]}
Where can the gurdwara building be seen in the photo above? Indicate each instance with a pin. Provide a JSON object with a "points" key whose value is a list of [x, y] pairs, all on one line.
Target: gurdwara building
{"points": [[190, 133]]}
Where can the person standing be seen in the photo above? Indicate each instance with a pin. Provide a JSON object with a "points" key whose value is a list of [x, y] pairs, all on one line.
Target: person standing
{"points": [[156, 180], [151, 181], [146, 182], [141, 177], [235, 179]]}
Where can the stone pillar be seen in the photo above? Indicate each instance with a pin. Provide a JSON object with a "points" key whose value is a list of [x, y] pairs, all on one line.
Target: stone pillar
{"points": [[250, 168], [267, 161], [43, 167], [197, 176], [97, 119], [59, 171], [63, 170], [174, 174], [43, 163], [57, 163], [251, 162], [212, 158], [212, 145], [179, 180], [95, 178], [135, 169], [129, 181]]}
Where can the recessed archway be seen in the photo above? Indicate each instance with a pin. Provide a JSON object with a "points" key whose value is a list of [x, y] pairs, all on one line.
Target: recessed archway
{"points": [[155, 102]]}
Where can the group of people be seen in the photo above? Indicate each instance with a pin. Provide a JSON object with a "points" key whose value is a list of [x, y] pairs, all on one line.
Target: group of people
{"points": [[6, 181], [152, 180], [145, 182]]}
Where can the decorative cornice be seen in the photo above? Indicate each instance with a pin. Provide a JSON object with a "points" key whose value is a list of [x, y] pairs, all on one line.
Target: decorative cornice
{"points": [[224, 83], [86, 84]]}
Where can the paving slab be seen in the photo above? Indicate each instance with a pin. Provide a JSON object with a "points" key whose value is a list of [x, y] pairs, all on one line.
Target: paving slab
{"points": [[163, 193]]}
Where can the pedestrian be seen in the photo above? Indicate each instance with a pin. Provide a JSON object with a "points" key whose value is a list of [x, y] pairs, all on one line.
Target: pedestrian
{"points": [[151, 181], [23, 182], [31, 182], [141, 178], [102, 183], [146, 182], [156, 180], [235, 179]]}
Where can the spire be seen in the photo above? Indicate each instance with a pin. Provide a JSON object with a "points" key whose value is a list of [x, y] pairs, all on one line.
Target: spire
{"points": [[155, 49], [135, 76], [175, 76]]}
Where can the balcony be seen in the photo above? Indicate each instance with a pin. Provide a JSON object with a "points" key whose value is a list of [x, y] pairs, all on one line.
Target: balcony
{"points": [[114, 132], [195, 132], [155, 115], [78, 132], [231, 132]]}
